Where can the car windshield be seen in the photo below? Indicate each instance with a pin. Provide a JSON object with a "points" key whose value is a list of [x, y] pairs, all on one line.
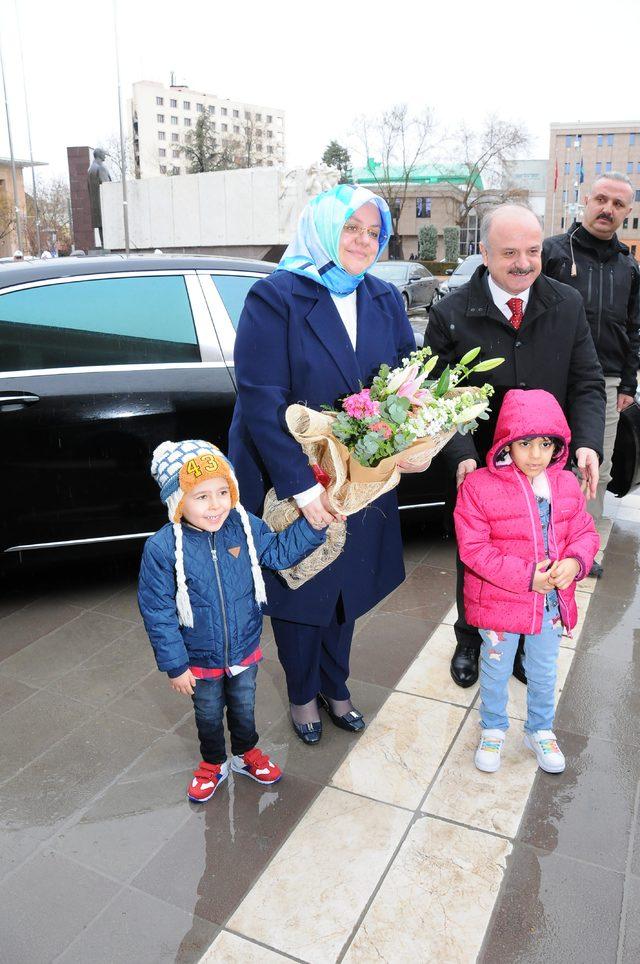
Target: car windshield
{"points": [[469, 265], [389, 271]]}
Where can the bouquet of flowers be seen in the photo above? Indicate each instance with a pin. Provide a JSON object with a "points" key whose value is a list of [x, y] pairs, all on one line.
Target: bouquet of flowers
{"points": [[404, 416]]}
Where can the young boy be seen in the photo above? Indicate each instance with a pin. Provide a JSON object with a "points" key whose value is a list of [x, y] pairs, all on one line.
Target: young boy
{"points": [[525, 539], [200, 592]]}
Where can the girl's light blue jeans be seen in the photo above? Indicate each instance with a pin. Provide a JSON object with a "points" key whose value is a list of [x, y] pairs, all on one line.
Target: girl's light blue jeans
{"points": [[540, 665]]}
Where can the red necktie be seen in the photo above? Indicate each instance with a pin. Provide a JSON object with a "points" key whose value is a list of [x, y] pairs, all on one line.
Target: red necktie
{"points": [[515, 305]]}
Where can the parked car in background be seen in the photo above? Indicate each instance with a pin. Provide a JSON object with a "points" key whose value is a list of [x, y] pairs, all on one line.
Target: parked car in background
{"points": [[416, 284], [102, 359], [460, 275]]}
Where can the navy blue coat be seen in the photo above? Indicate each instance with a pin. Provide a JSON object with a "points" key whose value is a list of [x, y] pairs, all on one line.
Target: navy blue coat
{"points": [[227, 621], [292, 346]]}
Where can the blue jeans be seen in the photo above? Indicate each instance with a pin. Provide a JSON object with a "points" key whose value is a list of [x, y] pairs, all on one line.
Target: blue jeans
{"points": [[540, 665], [238, 694]]}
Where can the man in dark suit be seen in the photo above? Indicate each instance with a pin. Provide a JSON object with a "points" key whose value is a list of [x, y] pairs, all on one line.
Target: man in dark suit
{"points": [[539, 327]]}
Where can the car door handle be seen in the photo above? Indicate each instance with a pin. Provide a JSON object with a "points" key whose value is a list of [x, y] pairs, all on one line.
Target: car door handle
{"points": [[17, 399]]}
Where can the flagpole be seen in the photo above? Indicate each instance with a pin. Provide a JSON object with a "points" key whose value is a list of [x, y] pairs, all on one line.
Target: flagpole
{"points": [[125, 203], [553, 203], [26, 107]]}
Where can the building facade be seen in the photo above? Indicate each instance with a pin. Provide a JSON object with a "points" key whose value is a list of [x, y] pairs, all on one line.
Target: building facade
{"points": [[162, 117], [528, 179], [578, 153]]}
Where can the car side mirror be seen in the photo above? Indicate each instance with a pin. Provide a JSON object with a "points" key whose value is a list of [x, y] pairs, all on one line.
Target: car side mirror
{"points": [[449, 271]]}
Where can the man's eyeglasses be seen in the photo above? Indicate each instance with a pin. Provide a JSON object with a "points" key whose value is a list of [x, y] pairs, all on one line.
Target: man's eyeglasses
{"points": [[352, 230]]}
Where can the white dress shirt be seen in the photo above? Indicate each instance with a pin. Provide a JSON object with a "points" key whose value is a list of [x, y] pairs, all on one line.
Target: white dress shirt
{"points": [[500, 297]]}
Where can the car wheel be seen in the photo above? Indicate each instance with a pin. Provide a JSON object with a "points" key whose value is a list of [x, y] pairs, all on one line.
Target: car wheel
{"points": [[405, 298]]}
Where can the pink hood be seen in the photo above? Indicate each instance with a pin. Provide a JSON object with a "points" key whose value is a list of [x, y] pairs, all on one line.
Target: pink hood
{"points": [[529, 413]]}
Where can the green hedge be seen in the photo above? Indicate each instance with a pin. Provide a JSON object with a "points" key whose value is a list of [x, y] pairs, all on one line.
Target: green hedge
{"points": [[439, 267]]}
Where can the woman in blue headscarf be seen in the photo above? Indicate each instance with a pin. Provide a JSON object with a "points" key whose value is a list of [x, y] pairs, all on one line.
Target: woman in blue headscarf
{"points": [[311, 332]]}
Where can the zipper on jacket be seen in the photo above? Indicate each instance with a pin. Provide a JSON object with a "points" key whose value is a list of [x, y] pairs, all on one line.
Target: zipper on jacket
{"points": [[610, 287], [589, 284], [535, 542], [561, 603], [601, 266], [214, 556]]}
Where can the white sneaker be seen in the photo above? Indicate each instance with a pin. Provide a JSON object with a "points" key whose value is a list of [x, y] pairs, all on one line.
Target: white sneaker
{"points": [[487, 756], [549, 755]]}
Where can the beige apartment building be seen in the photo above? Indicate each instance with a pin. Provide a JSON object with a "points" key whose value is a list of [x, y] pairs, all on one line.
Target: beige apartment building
{"points": [[162, 116], [580, 152]]}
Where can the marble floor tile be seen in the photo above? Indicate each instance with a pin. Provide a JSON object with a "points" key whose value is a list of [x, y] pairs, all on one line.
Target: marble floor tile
{"points": [[449, 618], [429, 675], [398, 754], [436, 901], [488, 801], [387, 644], [426, 593], [310, 897], [22, 627], [231, 949], [517, 706]]}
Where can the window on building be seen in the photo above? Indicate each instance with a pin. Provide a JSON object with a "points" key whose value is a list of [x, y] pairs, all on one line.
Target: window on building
{"points": [[161, 136], [609, 140], [224, 111], [269, 149], [259, 148], [200, 108], [247, 115], [269, 163], [224, 127], [600, 139], [567, 167], [236, 129], [258, 133], [174, 119], [632, 139], [213, 125], [211, 109], [187, 122], [236, 113], [176, 170], [258, 117], [578, 165], [186, 105], [575, 195], [625, 223], [598, 167], [629, 167], [635, 224], [160, 118], [564, 197], [175, 138], [160, 101], [163, 169], [638, 168], [561, 223], [269, 133], [175, 153], [269, 118], [607, 167], [173, 102], [162, 152], [423, 207]]}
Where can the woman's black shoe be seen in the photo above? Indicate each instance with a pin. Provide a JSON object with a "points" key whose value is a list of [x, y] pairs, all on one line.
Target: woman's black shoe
{"points": [[352, 721], [309, 733]]}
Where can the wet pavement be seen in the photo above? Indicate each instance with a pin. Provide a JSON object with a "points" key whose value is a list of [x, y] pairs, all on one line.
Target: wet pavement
{"points": [[390, 846]]}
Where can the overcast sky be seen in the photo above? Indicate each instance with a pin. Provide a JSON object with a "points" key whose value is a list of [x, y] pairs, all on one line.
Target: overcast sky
{"points": [[324, 63]]}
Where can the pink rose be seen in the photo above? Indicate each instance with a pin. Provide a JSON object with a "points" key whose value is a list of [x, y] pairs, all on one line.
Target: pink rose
{"points": [[383, 427]]}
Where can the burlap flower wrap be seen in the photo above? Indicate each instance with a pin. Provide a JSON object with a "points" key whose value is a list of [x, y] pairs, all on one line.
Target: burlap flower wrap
{"points": [[352, 486]]}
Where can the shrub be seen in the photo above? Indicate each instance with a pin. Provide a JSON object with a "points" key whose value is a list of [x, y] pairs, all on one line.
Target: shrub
{"points": [[451, 243], [428, 242]]}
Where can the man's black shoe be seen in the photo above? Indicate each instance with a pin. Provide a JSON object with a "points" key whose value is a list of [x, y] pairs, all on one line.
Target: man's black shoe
{"points": [[596, 570], [518, 666], [464, 665]]}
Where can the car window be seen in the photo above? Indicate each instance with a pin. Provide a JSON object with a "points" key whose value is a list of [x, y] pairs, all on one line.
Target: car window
{"points": [[469, 265], [389, 271], [233, 289], [105, 321], [420, 272]]}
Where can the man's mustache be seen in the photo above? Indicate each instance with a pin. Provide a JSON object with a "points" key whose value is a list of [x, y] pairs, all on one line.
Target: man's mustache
{"points": [[605, 217], [521, 271]]}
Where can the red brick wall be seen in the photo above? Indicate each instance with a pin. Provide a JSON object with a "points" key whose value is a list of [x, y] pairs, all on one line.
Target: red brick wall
{"points": [[79, 159]]}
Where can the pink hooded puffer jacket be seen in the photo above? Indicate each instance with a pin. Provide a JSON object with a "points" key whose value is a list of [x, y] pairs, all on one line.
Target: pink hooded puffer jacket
{"points": [[498, 526]]}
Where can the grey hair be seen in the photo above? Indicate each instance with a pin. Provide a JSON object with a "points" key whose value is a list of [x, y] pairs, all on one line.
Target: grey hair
{"points": [[614, 176], [487, 219]]}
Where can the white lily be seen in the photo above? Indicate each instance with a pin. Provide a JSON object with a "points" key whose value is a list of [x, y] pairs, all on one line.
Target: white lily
{"points": [[469, 414]]}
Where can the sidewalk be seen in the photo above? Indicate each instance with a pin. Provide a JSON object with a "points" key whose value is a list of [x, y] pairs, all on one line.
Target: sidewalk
{"points": [[387, 847]]}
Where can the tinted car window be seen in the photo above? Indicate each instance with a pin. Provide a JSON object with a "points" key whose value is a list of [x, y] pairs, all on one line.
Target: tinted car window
{"points": [[389, 271], [233, 290], [105, 321], [469, 265]]}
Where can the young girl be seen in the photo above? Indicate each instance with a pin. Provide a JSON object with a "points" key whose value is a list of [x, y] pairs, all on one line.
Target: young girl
{"points": [[525, 539], [200, 593]]}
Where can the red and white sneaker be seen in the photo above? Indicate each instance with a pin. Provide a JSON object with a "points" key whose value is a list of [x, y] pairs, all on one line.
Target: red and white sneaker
{"points": [[206, 780], [255, 764]]}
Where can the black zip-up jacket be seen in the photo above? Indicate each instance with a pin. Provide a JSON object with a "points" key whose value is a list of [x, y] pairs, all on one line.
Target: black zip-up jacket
{"points": [[609, 281], [552, 350]]}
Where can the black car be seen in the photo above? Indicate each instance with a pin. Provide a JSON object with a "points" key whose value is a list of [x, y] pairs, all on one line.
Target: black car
{"points": [[416, 284], [102, 359]]}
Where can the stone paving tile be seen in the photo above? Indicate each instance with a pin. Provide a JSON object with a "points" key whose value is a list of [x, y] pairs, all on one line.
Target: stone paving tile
{"points": [[314, 890], [397, 756], [319, 762], [123, 605], [436, 900], [602, 700], [427, 593], [587, 811], [230, 949], [211, 862], [13, 692], [139, 928], [611, 629], [60, 651], [441, 555], [152, 701], [630, 944], [23, 627], [119, 833], [46, 904], [429, 675], [386, 645], [553, 908]]}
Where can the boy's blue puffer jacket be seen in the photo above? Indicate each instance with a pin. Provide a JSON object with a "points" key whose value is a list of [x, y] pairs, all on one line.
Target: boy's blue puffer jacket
{"points": [[227, 620]]}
